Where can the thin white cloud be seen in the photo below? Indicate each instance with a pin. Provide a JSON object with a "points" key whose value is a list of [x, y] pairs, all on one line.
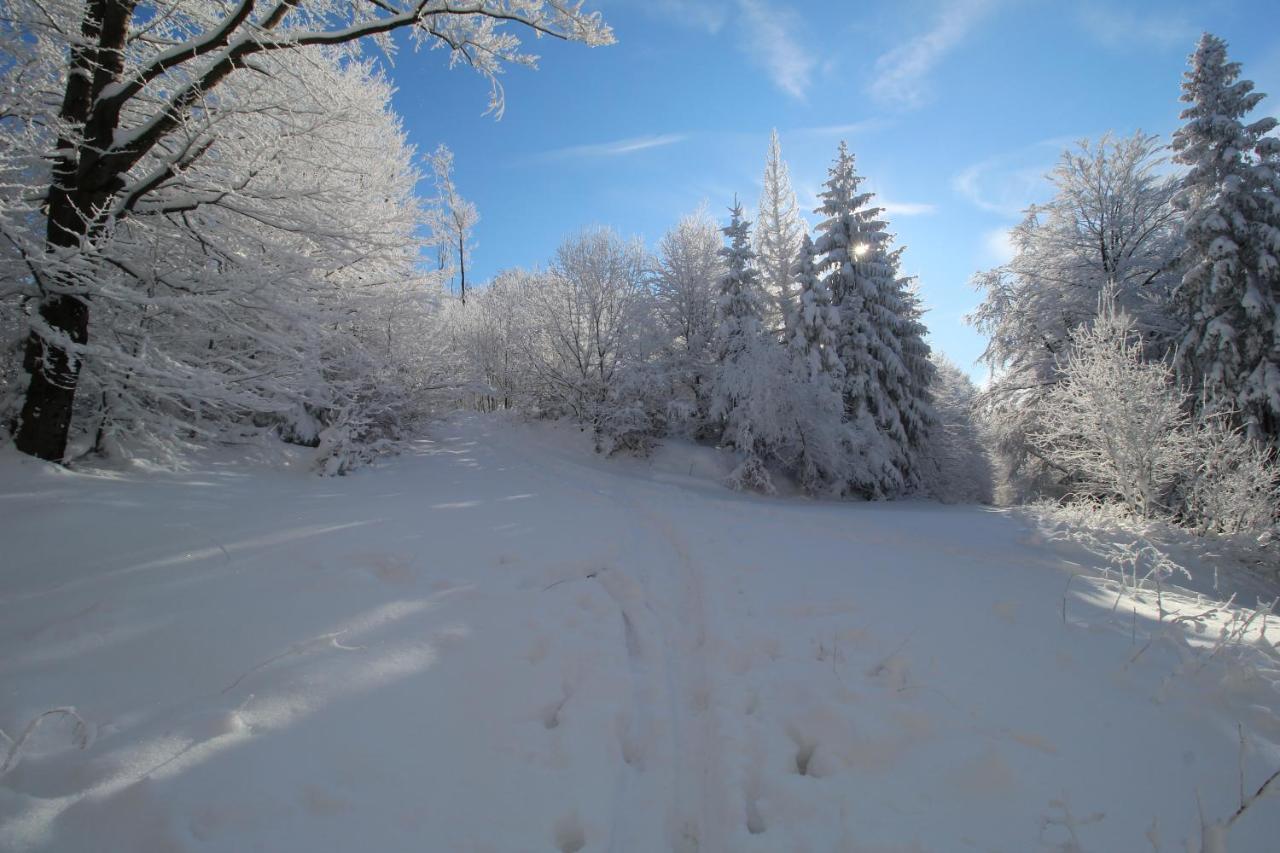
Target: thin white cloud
{"points": [[997, 246], [906, 208], [901, 74], [1008, 183], [767, 32], [616, 148], [1123, 28], [769, 36], [855, 128], [706, 15]]}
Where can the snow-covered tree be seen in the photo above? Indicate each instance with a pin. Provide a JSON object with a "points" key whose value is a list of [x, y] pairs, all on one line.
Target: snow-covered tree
{"points": [[886, 369], [821, 435], [815, 334], [1229, 297], [738, 343], [451, 219], [1115, 424], [686, 281], [1234, 484], [960, 470], [490, 334], [1110, 224], [778, 229], [123, 98], [590, 318], [271, 285], [1121, 430]]}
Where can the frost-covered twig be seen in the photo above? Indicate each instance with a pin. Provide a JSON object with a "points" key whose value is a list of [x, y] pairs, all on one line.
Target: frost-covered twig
{"points": [[80, 735], [1068, 822], [303, 647], [1246, 803]]}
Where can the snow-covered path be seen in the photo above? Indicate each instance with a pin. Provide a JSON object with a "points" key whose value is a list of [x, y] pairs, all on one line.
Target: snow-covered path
{"points": [[500, 642]]}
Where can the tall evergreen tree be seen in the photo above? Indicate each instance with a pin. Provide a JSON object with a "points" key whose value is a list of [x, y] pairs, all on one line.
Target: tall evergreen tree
{"points": [[777, 238], [822, 440], [738, 341], [815, 330], [881, 341], [1229, 297]]}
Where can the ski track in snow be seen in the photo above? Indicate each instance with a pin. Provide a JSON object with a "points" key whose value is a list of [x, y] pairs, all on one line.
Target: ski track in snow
{"points": [[502, 642]]}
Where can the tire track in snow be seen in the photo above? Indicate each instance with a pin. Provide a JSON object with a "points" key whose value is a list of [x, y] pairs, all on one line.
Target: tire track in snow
{"points": [[697, 815], [661, 594]]}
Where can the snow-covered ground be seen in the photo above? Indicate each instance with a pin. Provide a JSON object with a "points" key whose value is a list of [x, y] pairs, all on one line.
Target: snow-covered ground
{"points": [[499, 642]]}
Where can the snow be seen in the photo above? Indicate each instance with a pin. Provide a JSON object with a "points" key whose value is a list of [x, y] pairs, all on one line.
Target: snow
{"points": [[499, 641]]}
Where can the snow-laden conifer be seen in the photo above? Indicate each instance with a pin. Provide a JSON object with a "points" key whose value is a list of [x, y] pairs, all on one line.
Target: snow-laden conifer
{"points": [[738, 344], [880, 340], [778, 230], [1229, 298], [822, 440]]}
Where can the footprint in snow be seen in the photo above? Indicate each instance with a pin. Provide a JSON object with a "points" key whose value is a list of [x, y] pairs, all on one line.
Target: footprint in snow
{"points": [[568, 835]]}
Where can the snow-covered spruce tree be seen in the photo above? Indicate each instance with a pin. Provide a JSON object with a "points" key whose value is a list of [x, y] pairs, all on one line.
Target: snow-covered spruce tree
{"points": [[823, 440], [127, 99], [1229, 297], [686, 281], [881, 345], [777, 233], [739, 343], [1110, 223]]}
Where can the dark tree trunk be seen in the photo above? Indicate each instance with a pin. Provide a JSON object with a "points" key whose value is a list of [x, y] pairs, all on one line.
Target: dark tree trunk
{"points": [[462, 266], [81, 182], [46, 413]]}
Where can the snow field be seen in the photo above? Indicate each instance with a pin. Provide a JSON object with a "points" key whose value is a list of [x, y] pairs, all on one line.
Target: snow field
{"points": [[500, 642]]}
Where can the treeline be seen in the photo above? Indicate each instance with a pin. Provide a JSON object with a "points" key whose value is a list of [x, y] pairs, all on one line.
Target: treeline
{"points": [[803, 354], [210, 232]]}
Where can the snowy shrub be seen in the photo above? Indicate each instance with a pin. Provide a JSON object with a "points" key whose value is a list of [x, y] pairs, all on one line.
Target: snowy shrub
{"points": [[1234, 486], [1115, 425], [1119, 429], [635, 412]]}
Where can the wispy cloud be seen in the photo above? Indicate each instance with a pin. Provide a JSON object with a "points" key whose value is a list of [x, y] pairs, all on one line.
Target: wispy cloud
{"points": [[1122, 28], [901, 74], [997, 246], [856, 128], [906, 208], [770, 36], [766, 31], [615, 148], [706, 15], [1007, 183]]}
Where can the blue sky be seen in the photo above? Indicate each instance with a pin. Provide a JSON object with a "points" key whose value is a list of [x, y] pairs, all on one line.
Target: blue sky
{"points": [[954, 109]]}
